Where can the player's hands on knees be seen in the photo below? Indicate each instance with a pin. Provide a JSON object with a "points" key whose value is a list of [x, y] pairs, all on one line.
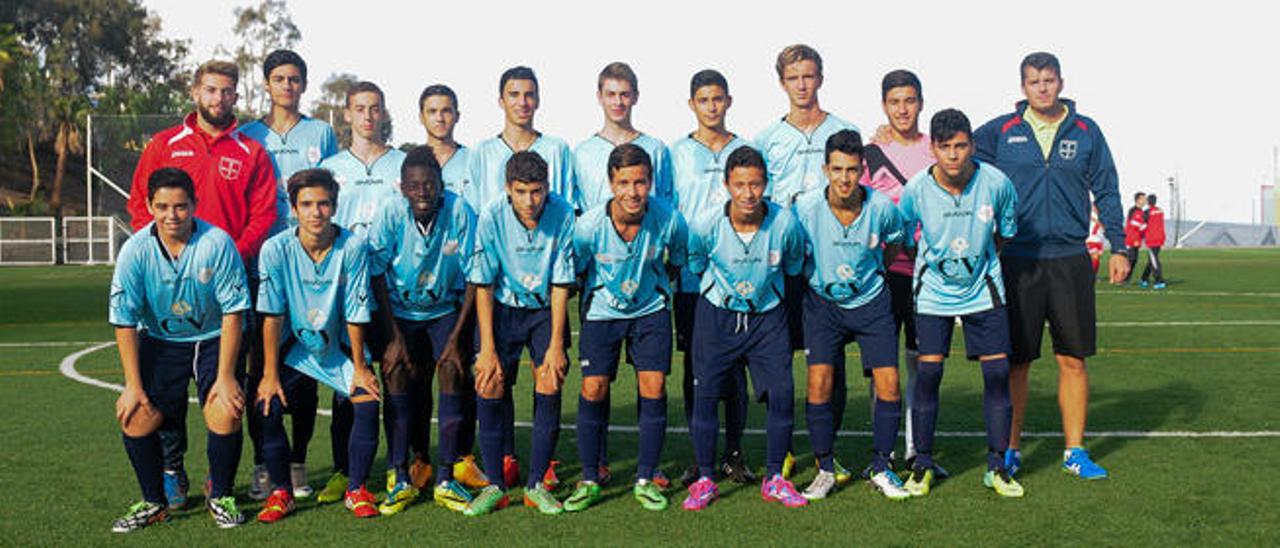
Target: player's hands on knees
{"points": [[396, 355], [132, 400], [268, 388], [449, 367], [364, 378], [1118, 266], [488, 372], [227, 391], [554, 365]]}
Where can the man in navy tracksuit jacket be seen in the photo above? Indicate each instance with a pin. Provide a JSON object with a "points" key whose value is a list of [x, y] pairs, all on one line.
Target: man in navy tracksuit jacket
{"points": [[1056, 157]]}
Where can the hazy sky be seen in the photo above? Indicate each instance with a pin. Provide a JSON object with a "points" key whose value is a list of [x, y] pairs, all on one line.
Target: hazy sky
{"points": [[1192, 91]]}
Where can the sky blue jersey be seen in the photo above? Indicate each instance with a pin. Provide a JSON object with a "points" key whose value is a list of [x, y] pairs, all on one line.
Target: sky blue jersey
{"points": [[365, 188], [317, 301], [698, 184], [591, 169], [487, 165], [795, 158], [742, 275], [957, 266], [178, 299], [455, 171], [519, 263], [304, 146], [425, 265], [845, 264], [627, 280]]}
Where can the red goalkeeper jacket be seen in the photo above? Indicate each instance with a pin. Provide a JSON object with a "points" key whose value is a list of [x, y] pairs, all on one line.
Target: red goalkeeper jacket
{"points": [[1155, 227]]}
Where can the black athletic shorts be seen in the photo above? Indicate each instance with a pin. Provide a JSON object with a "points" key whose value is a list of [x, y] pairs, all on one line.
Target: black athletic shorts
{"points": [[904, 311], [1059, 291]]}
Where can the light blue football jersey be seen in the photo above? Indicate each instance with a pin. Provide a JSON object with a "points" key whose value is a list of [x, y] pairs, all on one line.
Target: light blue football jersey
{"points": [[304, 146], [425, 265], [626, 280], [487, 165], [591, 169], [178, 299], [957, 266], [698, 185], [455, 171], [744, 276], [795, 159], [364, 188], [519, 263], [317, 301], [845, 264]]}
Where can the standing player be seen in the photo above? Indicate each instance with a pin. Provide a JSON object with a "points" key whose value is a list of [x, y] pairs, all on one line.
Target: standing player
{"points": [[617, 91], [182, 281], [899, 151], [523, 268], [234, 191], [418, 260], [698, 162], [1056, 157], [743, 250], [315, 298], [438, 111], [519, 99], [845, 227], [294, 142], [627, 247], [1153, 238], [1135, 228], [965, 211]]}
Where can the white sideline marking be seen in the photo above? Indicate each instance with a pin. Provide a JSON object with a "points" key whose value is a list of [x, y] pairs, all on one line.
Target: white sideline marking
{"points": [[1190, 323], [68, 369], [48, 344], [1177, 292]]}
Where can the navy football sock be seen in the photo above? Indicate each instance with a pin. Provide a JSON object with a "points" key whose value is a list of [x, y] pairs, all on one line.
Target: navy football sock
{"points": [[340, 433], [302, 406], [705, 431], [508, 422], [884, 432], [364, 442], [997, 409], [653, 432], [144, 455], [546, 428], [467, 431], [275, 445], [254, 423], [420, 420], [924, 417], [604, 432], [735, 414], [399, 413], [491, 431], [592, 422], [822, 433], [686, 387], [779, 425], [839, 395], [224, 458], [450, 423]]}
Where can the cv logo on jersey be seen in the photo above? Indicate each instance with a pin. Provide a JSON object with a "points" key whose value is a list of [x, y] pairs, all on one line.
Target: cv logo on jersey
{"points": [[314, 339], [1067, 149], [844, 288], [424, 294], [182, 320]]}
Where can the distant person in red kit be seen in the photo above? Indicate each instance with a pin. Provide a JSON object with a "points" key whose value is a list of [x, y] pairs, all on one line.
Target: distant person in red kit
{"points": [[1135, 226], [1095, 241], [1153, 237]]}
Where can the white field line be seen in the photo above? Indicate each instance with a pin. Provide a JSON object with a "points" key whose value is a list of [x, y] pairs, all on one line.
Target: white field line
{"points": [[1178, 292], [1241, 323], [68, 368]]}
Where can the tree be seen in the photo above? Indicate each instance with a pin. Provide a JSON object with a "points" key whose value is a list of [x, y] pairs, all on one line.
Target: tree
{"points": [[259, 30], [333, 100]]}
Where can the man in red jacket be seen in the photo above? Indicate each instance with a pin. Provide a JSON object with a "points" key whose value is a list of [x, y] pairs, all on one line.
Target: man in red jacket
{"points": [[235, 191], [1135, 224], [1154, 240]]}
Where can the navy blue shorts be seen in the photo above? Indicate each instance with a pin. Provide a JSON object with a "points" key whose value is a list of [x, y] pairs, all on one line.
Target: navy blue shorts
{"points": [[828, 328], [167, 368], [514, 330], [723, 340], [648, 343], [685, 306], [426, 340], [986, 333]]}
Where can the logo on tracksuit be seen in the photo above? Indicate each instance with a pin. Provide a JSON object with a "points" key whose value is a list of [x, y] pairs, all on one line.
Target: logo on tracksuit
{"points": [[1067, 149], [229, 168]]}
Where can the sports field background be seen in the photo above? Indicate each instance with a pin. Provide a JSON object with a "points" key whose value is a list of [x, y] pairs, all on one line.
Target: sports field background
{"points": [[1186, 384]]}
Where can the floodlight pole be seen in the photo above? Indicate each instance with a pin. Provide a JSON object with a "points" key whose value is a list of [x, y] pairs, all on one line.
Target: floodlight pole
{"points": [[1176, 200]]}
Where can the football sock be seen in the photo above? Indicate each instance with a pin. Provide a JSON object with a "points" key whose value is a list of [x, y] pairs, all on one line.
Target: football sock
{"points": [[687, 389], [592, 419], [821, 433], [420, 420], [924, 417], [275, 445], [364, 442], [508, 422], [302, 405], [910, 363], [546, 428], [653, 432], [996, 409], [467, 431], [224, 458], [705, 430], [340, 433], [884, 432], [604, 432], [399, 413], [253, 423], [490, 414], [779, 424], [450, 423], [839, 395], [735, 413], [144, 455]]}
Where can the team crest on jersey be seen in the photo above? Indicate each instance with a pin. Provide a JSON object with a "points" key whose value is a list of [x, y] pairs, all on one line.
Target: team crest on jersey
{"points": [[342, 181], [873, 240], [629, 287], [180, 308], [1067, 149], [985, 213], [426, 278], [229, 168], [844, 272], [531, 281], [449, 248], [204, 275], [744, 288], [775, 257], [313, 155], [316, 317], [959, 246]]}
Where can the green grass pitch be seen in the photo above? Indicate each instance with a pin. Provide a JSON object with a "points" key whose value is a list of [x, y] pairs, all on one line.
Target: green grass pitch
{"points": [[1198, 357]]}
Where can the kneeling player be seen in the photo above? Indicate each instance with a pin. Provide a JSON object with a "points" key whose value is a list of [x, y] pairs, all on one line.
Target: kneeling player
{"points": [[315, 288], [182, 281], [965, 210], [847, 300], [743, 252], [522, 267], [418, 253], [627, 247]]}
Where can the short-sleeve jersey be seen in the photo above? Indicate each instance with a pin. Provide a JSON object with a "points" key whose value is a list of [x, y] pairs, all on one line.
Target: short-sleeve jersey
{"points": [[487, 165], [364, 188], [626, 280], [522, 264], [845, 264], [795, 158], [591, 169], [698, 183], [741, 275], [424, 265]]}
